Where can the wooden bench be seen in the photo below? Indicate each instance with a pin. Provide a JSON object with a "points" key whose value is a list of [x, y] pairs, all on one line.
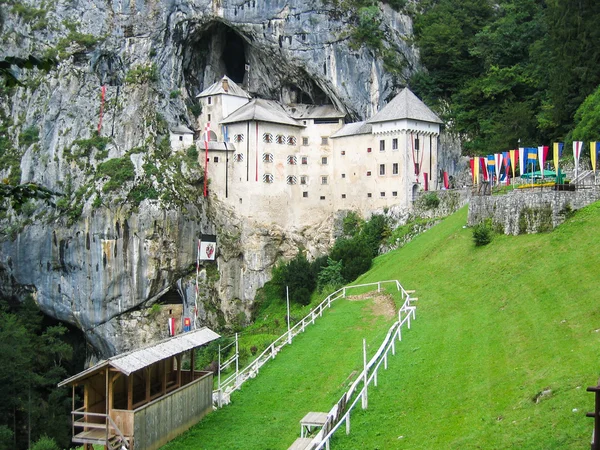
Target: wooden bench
{"points": [[318, 419]]}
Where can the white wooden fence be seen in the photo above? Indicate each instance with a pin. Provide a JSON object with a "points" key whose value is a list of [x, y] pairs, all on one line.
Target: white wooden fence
{"points": [[221, 396], [369, 374]]}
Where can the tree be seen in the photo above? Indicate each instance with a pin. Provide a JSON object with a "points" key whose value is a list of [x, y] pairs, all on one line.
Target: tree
{"points": [[355, 255]]}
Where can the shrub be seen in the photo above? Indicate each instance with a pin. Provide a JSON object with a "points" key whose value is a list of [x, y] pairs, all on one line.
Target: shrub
{"points": [[483, 233], [45, 443], [355, 255], [430, 200], [298, 277], [352, 224], [29, 136], [142, 74]]}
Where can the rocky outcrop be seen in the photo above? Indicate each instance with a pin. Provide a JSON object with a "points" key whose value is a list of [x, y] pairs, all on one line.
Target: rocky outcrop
{"points": [[124, 231]]}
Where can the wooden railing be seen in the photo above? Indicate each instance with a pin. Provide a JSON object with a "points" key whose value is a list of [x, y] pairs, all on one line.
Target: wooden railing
{"points": [[106, 423], [368, 375], [236, 379]]}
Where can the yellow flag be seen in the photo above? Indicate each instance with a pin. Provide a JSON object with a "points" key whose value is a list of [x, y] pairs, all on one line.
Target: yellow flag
{"points": [[556, 157], [476, 169], [593, 155]]}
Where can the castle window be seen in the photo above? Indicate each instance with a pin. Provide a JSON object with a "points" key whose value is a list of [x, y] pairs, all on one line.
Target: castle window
{"points": [[238, 157], [343, 175], [395, 144], [417, 144], [368, 173], [322, 197], [280, 139], [305, 194], [324, 180], [381, 169], [303, 179], [343, 195], [305, 160], [382, 194], [369, 195], [209, 117], [343, 152], [267, 178], [369, 150], [382, 145], [291, 179], [268, 157], [324, 140], [210, 100], [395, 169], [267, 137], [181, 138], [394, 193], [304, 141], [216, 159], [238, 138], [291, 140], [324, 160], [292, 160]]}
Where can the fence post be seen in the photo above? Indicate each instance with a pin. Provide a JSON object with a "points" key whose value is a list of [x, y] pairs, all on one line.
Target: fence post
{"points": [[344, 293], [303, 325], [385, 359], [365, 400], [596, 416], [272, 351], [375, 377], [378, 287], [394, 344], [348, 423]]}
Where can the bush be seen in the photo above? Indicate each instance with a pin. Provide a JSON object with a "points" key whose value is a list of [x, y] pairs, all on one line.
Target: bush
{"points": [[45, 443], [483, 233], [430, 201], [352, 224], [298, 277], [355, 255]]}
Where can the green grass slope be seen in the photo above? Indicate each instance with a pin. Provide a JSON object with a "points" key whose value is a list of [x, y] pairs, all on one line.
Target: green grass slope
{"points": [[496, 326], [310, 375]]}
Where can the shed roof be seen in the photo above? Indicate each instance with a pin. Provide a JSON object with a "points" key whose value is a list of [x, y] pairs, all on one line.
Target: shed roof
{"points": [[405, 105], [224, 86], [129, 362], [353, 129], [261, 110]]}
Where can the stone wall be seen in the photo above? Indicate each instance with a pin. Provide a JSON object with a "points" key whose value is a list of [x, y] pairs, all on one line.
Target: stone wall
{"points": [[530, 210]]}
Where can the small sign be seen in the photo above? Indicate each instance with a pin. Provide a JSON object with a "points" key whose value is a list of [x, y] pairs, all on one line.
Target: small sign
{"points": [[208, 247]]}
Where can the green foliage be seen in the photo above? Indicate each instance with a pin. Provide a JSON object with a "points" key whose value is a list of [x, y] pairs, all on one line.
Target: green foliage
{"points": [[483, 233], [141, 192], [119, 170], [34, 358], [142, 74], [352, 224], [373, 232], [430, 200], [587, 118], [45, 443], [368, 30], [87, 145], [29, 136], [355, 255], [6, 438], [331, 275], [298, 277], [175, 94]]}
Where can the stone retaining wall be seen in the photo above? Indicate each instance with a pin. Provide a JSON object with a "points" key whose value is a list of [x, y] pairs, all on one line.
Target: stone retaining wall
{"points": [[529, 210]]}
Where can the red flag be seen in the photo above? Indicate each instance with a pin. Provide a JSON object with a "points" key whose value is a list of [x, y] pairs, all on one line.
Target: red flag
{"points": [[426, 185], [472, 162], [446, 183]]}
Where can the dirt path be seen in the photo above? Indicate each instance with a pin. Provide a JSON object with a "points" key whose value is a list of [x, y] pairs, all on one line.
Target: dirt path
{"points": [[382, 304]]}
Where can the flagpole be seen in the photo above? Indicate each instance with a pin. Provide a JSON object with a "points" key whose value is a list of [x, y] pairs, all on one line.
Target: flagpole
{"points": [[197, 278]]}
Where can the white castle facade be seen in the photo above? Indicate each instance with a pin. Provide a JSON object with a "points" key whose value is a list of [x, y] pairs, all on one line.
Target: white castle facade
{"points": [[296, 165]]}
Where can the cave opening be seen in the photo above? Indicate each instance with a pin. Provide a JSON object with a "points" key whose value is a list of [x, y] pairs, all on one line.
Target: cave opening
{"points": [[216, 49], [234, 56]]}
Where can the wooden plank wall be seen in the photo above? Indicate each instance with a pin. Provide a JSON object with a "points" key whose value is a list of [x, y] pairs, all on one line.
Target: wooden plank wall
{"points": [[163, 419]]}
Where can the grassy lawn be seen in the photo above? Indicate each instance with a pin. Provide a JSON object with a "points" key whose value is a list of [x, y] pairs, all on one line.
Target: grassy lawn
{"points": [[496, 326], [309, 375]]}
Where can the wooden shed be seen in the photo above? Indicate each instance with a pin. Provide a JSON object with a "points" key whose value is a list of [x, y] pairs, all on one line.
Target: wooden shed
{"points": [[144, 398]]}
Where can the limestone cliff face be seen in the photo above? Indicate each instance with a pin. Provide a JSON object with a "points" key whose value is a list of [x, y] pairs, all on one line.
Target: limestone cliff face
{"points": [[124, 232]]}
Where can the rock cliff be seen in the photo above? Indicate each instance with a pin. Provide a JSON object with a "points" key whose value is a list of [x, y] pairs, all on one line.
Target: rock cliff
{"points": [[124, 231]]}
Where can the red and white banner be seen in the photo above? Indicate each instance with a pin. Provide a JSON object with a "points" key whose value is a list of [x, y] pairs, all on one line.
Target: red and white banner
{"points": [[171, 326]]}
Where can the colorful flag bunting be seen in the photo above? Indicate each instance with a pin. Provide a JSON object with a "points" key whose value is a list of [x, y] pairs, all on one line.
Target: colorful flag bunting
{"points": [[472, 163], [514, 156], [594, 153], [577, 146], [476, 166], [483, 168], [506, 156], [558, 149], [498, 161]]}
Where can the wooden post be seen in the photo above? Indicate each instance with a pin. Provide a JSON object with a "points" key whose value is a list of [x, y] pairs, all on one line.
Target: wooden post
{"points": [[595, 444], [192, 363], [130, 392], [164, 376], [348, 423], [147, 377], [178, 357]]}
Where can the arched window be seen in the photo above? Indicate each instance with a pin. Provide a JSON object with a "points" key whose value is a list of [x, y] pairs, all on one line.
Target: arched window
{"points": [[280, 139], [267, 137], [291, 140], [268, 157], [267, 178], [291, 179], [292, 160]]}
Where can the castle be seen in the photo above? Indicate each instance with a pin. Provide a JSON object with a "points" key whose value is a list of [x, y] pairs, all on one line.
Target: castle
{"points": [[296, 165]]}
